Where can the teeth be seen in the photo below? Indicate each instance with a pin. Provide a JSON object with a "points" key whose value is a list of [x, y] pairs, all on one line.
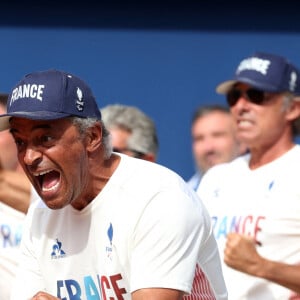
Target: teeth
{"points": [[42, 173], [45, 189], [51, 188], [244, 122]]}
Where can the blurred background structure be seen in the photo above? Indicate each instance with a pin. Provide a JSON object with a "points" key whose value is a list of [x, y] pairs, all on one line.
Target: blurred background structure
{"points": [[165, 58]]}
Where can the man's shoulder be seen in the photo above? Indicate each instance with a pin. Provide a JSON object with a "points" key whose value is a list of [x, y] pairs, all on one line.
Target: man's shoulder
{"points": [[139, 169], [224, 174]]}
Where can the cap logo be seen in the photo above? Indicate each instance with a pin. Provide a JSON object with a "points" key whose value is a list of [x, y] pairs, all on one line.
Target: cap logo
{"points": [[255, 64], [292, 82], [33, 91], [79, 101]]}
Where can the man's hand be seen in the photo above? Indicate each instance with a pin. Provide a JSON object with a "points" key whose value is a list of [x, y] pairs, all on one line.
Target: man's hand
{"points": [[240, 253]]}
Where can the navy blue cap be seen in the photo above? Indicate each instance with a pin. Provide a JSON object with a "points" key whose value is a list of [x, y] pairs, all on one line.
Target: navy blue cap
{"points": [[50, 95], [266, 72]]}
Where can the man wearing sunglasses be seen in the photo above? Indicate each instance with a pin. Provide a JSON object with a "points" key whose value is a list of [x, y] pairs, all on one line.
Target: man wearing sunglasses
{"points": [[254, 200]]}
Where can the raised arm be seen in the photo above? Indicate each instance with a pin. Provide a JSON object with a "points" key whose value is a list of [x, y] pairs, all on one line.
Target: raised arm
{"points": [[241, 254]]}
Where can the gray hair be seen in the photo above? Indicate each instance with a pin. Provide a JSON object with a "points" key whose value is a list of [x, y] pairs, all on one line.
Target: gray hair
{"points": [[143, 136], [3, 99], [288, 98], [84, 123]]}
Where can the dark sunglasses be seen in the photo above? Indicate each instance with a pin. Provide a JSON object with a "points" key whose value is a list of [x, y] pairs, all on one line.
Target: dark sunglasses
{"points": [[135, 153], [253, 95]]}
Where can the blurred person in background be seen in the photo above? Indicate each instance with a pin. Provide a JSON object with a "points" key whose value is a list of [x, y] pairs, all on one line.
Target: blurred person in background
{"points": [[214, 139], [132, 131], [15, 192]]}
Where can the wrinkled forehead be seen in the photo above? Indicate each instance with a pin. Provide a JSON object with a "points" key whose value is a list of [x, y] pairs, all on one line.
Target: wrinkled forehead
{"points": [[20, 124]]}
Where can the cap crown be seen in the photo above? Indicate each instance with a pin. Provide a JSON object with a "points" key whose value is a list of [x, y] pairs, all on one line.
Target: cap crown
{"points": [[269, 72], [52, 94]]}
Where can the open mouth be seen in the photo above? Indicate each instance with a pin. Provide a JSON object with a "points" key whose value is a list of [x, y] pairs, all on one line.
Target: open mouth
{"points": [[48, 180]]}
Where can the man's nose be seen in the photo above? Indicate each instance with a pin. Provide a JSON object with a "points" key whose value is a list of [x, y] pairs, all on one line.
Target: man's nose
{"points": [[32, 156]]}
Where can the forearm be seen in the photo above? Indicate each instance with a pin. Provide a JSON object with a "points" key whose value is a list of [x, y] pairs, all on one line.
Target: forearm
{"points": [[280, 273], [241, 254]]}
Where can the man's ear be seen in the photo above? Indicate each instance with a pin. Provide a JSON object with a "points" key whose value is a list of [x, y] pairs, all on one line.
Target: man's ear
{"points": [[94, 137], [294, 109]]}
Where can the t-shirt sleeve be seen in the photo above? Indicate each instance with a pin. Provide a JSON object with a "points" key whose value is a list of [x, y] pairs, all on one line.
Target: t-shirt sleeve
{"points": [[167, 240]]}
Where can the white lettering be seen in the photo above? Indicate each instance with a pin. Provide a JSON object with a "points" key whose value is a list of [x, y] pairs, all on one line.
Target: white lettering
{"points": [[19, 94], [293, 81], [40, 92], [254, 63], [33, 91], [26, 90], [13, 95]]}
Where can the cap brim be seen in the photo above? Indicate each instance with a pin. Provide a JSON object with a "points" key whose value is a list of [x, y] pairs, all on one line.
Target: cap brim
{"points": [[4, 122], [226, 86], [37, 115]]}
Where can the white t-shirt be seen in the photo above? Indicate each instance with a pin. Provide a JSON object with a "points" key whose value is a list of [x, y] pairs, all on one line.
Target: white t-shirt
{"points": [[146, 228], [263, 203]]}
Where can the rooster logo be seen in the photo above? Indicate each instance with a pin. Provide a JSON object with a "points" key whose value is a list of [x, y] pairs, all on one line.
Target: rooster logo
{"points": [[79, 101]]}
